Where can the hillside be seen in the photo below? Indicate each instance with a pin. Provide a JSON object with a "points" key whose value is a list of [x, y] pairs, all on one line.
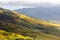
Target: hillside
{"points": [[20, 24]]}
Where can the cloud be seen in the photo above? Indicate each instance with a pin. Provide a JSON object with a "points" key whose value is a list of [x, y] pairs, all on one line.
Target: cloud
{"points": [[30, 3], [27, 3]]}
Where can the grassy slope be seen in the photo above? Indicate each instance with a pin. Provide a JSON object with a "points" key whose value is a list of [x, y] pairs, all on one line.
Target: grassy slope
{"points": [[24, 25]]}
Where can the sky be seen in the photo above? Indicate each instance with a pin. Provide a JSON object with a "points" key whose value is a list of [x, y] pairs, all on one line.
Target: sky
{"points": [[17, 4]]}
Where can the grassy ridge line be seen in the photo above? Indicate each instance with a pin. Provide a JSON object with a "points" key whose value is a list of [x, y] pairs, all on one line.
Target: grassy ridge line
{"points": [[35, 21]]}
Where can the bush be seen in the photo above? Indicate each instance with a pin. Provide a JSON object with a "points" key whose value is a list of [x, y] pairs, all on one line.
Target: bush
{"points": [[27, 39], [17, 39]]}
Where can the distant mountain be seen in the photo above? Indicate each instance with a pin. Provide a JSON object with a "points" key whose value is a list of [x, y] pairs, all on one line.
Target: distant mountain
{"points": [[44, 13], [17, 26]]}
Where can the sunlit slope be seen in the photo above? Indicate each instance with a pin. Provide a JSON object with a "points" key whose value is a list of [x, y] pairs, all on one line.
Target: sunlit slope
{"points": [[18, 23], [12, 36]]}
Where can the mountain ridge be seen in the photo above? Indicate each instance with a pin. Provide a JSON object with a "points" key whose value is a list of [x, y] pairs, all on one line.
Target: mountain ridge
{"points": [[44, 13]]}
